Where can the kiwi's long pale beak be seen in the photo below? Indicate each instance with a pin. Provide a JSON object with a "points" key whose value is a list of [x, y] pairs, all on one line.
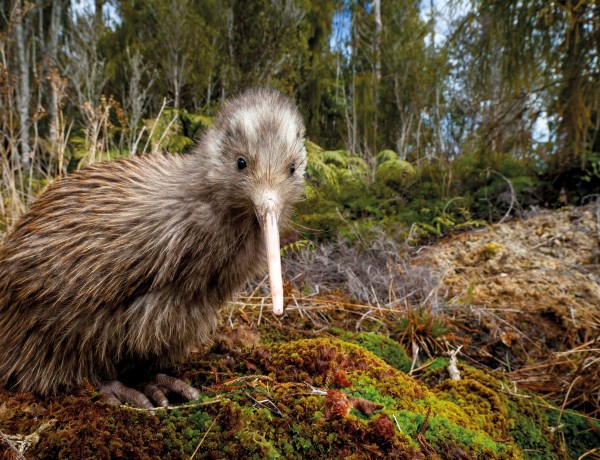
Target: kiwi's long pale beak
{"points": [[268, 212]]}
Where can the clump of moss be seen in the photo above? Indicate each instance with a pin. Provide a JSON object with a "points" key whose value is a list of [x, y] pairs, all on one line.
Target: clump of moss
{"points": [[310, 398], [578, 434], [504, 411], [410, 403], [84, 429], [383, 347]]}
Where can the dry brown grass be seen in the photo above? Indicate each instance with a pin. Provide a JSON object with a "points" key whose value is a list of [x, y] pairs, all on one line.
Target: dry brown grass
{"points": [[527, 293]]}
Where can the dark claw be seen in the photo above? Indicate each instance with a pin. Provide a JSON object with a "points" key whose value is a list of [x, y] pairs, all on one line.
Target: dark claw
{"points": [[167, 384], [117, 393]]}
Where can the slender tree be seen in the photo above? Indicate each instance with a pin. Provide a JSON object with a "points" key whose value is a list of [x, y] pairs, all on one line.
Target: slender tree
{"points": [[22, 34], [52, 60], [547, 47]]}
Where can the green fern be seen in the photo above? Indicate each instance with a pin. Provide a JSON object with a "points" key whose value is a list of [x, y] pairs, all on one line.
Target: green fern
{"points": [[296, 246], [337, 158]]}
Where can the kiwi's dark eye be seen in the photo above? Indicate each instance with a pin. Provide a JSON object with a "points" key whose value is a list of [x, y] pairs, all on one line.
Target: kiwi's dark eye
{"points": [[241, 163], [292, 169]]}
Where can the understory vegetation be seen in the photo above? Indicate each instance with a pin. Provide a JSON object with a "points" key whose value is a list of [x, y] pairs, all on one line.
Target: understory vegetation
{"points": [[435, 117]]}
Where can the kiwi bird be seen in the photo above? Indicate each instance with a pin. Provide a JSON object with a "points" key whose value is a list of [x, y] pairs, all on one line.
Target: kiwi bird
{"points": [[117, 270]]}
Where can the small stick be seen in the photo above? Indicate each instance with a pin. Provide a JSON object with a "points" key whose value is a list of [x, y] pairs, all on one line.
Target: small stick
{"points": [[415, 350], [204, 437], [562, 409], [262, 304], [453, 366], [12, 447], [218, 399]]}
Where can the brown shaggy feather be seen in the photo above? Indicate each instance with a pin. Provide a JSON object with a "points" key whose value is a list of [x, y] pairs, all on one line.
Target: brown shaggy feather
{"points": [[123, 266]]}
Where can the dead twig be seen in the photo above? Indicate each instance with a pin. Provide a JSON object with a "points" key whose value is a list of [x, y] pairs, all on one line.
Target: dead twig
{"points": [[19, 443], [562, 409], [590, 452], [210, 402], [453, 366], [204, 437], [415, 350], [513, 196], [11, 446]]}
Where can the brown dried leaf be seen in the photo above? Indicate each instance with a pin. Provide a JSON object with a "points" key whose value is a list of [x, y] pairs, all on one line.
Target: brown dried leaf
{"points": [[364, 405]]}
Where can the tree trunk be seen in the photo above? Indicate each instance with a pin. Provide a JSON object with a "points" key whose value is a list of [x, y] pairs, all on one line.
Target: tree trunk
{"points": [[98, 14], [437, 109], [574, 121], [24, 96], [53, 59], [377, 79], [377, 42], [176, 87]]}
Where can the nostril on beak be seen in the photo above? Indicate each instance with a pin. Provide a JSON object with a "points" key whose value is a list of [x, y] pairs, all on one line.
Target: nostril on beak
{"points": [[269, 197]]}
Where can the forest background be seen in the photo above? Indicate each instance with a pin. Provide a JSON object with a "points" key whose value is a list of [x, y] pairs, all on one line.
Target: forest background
{"points": [[423, 116]]}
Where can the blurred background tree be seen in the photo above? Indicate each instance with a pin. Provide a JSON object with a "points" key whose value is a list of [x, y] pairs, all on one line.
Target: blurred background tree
{"points": [[492, 102]]}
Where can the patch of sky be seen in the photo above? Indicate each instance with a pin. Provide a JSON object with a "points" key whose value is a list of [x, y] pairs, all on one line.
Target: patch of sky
{"points": [[339, 42], [87, 7]]}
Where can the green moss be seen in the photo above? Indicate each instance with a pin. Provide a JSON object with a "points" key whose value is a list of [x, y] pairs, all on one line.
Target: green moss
{"points": [[505, 412], [531, 434], [579, 433], [373, 380], [383, 347], [386, 155], [438, 364], [397, 173], [440, 430], [356, 405]]}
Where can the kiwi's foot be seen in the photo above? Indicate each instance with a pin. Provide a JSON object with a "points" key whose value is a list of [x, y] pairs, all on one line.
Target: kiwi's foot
{"points": [[162, 385], [154, 394]]}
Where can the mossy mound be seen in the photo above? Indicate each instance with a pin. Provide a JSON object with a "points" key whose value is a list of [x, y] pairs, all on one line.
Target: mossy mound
{"points": [[383, 347], [504, 411], [421, 420], [307, 398], [395, 172]]}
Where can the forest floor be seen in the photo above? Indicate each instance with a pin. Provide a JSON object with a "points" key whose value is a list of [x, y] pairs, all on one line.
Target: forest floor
{"points": [[526, 295], [517, 303]]}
